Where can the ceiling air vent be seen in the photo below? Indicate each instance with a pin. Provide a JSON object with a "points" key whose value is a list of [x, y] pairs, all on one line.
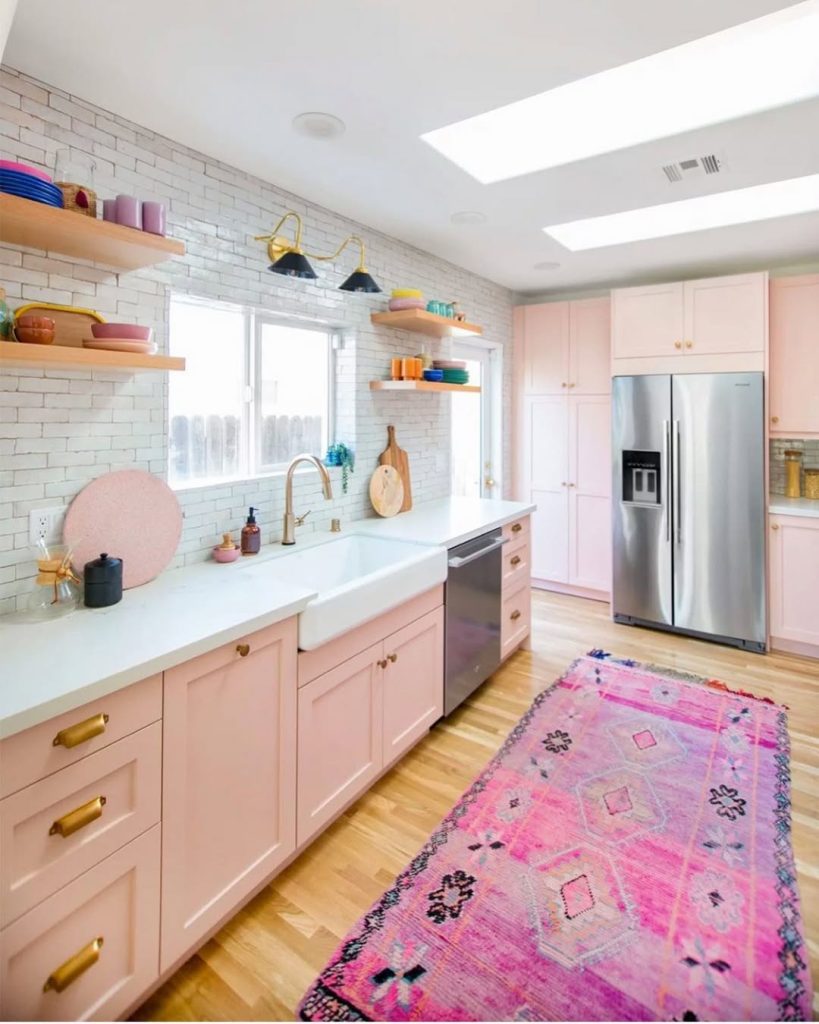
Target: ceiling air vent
{"points": [[693, 168]]}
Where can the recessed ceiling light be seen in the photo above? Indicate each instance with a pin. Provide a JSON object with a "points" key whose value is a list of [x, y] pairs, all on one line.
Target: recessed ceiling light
{"points": [[546, 265], [317, 125], [740, 206], [762, 64], [468, 217]]}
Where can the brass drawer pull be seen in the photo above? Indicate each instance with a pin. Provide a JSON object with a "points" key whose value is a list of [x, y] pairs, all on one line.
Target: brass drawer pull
{"points": [[516, 528], [515, 615], [74, 966], [382, 663], [392, 657], [689, 344], [82, 732], [514, 560], [774, 419], [243, 650], [774, 526], [78, 818], [677, 344]]}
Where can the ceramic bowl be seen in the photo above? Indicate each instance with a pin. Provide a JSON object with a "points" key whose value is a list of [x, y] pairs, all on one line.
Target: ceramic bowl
{"points": [[221, 554], [436, 376], [32, 320], [123, 332], [15, 168], [396, 304], [34, 335]]}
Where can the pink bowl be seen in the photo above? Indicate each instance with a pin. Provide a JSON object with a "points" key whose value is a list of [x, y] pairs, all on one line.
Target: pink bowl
{"points": [[10, 165], [396, 304], [221, 554], [129, 332]]}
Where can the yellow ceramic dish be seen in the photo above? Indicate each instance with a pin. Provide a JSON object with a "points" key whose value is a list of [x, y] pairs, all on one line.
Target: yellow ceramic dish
{"points": [[63, 309], [407, 293]]}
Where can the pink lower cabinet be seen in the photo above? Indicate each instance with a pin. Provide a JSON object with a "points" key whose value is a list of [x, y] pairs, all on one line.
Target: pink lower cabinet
{"points": [[229, 780], [413, 683], [91, 950], [794, 569]]}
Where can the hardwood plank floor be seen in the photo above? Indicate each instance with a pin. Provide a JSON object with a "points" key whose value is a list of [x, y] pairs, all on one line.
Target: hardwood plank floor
{"points": [[260, 964]]}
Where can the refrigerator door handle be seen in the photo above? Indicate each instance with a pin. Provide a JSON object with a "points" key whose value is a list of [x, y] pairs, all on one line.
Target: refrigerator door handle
{"points": [[677, 482], [667, 461]]}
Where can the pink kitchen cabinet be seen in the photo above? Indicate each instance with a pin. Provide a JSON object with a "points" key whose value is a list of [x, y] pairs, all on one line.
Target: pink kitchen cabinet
{"points": [[590, 346], [647, 321], [794, 356], [566, 347], [793, 554], [229, 780], [545, 455]]}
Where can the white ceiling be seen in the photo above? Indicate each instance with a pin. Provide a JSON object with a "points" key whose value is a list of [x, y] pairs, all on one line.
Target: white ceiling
{"points": [[227, 79]]}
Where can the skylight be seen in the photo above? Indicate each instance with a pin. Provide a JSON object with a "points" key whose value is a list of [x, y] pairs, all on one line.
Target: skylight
{"points": [[759, 65], [741, 206]]}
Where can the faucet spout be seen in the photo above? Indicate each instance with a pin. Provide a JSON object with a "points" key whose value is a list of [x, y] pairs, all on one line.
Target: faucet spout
{"points": [[289, 526]]}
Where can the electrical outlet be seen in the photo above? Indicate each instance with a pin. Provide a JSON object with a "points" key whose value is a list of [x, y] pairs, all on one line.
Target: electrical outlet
{"points": [[46, 525]]}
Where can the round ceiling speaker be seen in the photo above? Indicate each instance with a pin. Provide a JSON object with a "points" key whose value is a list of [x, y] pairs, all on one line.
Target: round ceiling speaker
{"points": [[547, 265], [316, 125], [468, 217]]}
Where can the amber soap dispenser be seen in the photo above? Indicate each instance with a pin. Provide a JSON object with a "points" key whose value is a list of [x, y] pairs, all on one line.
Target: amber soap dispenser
{"points": [[251, 534]]}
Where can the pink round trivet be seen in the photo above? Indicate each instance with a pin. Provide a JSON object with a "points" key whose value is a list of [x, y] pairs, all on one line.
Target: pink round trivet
{"points": [[130, 514]]}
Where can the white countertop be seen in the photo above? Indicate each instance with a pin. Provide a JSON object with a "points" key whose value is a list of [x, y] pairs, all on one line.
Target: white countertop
{"points": [[782, 506], [447, 521]]}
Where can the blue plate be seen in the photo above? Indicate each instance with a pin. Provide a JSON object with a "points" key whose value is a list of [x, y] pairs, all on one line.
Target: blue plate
{"points": [[27, 186], [49, 201], [25, 179]]}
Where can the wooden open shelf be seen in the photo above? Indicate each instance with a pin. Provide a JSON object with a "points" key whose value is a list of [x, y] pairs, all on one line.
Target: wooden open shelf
{"points": [[39, 226], [420, 385], [66, 357], [422, 322]]}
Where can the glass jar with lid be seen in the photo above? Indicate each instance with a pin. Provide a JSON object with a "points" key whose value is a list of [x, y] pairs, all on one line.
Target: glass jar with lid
{"points": [[793, 473]]}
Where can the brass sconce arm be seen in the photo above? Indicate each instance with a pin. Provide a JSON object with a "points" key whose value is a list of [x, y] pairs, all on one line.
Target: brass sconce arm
{"points": [[347, 241], [278, 244]]}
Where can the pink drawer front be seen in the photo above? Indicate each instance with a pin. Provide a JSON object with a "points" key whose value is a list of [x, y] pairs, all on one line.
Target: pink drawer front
{"points": [[116, 902], [516, 619], [517, 567], [32, 754], [517, 530], [102, 802]]}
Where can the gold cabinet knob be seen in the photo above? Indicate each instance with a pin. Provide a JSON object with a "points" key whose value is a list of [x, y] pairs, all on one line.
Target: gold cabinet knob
{"points": [[382, 663], [78, 818], [677, 344], [572, 485], [82, 732], [564, 384], [515, 560], [392, 657], [689, 344], [515, 615], [774, 419], [243, 650], [572, 385], [516, 528], [489, 482], [74, 966], [774, 526]]}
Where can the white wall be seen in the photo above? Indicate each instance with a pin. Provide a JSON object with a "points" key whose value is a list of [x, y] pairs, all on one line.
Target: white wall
{"points": [[59, 430]]}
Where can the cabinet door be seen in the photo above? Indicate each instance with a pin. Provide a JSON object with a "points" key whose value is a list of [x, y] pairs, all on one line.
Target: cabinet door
{"points": [[725, 314], [794, 569], [413, 682], [340, 730], [546, 348], [229, 780], [794, 380], [647, 321], [590, 529], [546, 444], [590, 347]]}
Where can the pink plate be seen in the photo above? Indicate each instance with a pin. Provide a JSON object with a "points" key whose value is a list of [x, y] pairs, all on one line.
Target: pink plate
{"points": [[130, 332], [130, 514], [120, 345], [10, 165]]}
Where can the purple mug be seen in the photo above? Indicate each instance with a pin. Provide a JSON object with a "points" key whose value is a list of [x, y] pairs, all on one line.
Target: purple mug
{"points": [[109, 210], [128, 212], [153, 218]]}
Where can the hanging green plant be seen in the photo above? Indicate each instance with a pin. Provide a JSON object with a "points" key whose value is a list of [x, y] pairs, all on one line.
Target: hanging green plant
{"points": [[339, 454]]}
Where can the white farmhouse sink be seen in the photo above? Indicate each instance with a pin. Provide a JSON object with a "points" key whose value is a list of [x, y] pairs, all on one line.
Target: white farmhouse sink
{"points": [[357, 579]]}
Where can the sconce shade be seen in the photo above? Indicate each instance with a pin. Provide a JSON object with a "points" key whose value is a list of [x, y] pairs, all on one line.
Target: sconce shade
{"points": [[293, 264], [359, 281]]}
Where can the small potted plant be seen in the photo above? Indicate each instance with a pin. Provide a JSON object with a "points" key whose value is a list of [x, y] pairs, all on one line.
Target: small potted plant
{"points": [[339, 454]]}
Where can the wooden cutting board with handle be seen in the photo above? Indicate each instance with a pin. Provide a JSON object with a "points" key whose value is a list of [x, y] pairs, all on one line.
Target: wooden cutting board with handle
{"points": [[398, 459], [71, 323]]}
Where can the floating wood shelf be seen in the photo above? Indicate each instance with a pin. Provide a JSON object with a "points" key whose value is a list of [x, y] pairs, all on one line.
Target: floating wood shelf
{"points": [[420, 385], [39, 226], [422, 322], [66, 357]]}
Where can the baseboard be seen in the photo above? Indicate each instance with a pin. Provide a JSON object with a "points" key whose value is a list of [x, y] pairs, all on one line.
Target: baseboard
{"points": [[794, 647], [563, 588]]}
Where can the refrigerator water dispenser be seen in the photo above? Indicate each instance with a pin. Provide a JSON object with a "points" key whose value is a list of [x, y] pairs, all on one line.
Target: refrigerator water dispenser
{"points": [[641, 478]]}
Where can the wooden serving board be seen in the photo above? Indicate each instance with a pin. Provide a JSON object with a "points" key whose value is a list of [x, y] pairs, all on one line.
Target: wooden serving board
{"points": [[71, 323], [386, 491], [398, 459]]}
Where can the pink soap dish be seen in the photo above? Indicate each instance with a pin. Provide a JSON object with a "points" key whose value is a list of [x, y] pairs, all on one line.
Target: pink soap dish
{"points": [[226, 551]]}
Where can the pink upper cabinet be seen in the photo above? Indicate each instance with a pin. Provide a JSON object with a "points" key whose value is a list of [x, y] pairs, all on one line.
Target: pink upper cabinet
{"points": [[546, 348], [794, 379], [565, 347], [590, 347], [647, 321], [725, 314]]}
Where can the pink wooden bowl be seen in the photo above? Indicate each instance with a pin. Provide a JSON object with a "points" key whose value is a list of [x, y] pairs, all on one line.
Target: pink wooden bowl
{"points": [[126, 332], [226, 554]]}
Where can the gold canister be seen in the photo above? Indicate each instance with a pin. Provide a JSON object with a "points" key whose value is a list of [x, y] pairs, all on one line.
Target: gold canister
{"points": [[812, 484], [793, 473]]}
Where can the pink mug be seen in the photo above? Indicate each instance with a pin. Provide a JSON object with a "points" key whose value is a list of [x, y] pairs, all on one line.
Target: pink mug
{"points": [[109, 210], [153, 218], [128, 212]]}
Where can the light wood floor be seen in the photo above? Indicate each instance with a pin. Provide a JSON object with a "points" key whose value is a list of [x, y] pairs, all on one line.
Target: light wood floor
{"points": [[260, 964]]}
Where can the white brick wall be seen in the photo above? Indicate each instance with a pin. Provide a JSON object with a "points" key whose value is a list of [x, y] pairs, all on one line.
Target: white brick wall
{"points": [[61, 429]]}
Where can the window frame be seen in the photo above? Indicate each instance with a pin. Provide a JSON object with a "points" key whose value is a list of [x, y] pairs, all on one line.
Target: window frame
{"points": [[254, 320]]}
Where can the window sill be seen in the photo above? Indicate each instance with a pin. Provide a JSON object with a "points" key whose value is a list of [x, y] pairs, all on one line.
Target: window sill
{"points": [[207, 483]]}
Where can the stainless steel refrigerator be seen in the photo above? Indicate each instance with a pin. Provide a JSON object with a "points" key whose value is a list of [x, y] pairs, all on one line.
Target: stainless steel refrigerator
{"points": [[689, 505]]}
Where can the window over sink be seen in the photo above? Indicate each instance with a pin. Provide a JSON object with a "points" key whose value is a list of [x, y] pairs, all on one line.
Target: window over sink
{"points": [[257, 391]]}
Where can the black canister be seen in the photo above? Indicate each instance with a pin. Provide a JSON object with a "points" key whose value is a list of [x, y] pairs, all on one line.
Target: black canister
{"points": [[103, 581]]}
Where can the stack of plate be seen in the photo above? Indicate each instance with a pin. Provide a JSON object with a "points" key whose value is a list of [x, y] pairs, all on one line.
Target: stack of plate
{"points": [[28, 183], [454, 370]]}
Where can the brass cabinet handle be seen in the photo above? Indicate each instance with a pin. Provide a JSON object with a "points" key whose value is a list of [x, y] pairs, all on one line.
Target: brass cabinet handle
{"points": [[677, 344], [382, 663], [78, 818], [689, 344], [516, 528], [572, 485], [515, 615], [564, 384], [78, 964], [572, 385], [243, 650], [774, 526], [515, 560], [81, 732], [774, 419], [392, 657]]}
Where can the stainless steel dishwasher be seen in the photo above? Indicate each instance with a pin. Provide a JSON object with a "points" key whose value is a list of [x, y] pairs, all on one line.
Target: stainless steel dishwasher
{"points": [[473, 616]]}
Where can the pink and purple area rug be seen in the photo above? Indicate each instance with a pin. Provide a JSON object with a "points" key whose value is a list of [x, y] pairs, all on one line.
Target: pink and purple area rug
{"points": [[625, 856]]}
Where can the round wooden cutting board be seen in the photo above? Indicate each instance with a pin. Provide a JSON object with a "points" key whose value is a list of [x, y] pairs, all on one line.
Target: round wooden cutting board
{"points": [[130, 514], [386, 491]]}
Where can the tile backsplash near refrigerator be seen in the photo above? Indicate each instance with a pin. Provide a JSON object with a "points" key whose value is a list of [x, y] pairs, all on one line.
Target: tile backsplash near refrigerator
{"points": [[810, 460]]}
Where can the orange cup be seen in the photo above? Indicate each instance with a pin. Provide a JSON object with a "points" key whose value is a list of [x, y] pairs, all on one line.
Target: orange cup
{"points": [[407, 368], [395, 369]]}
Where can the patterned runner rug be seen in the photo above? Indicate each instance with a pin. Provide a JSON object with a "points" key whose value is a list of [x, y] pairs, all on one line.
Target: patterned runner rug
{"points": [[625, 856]]}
